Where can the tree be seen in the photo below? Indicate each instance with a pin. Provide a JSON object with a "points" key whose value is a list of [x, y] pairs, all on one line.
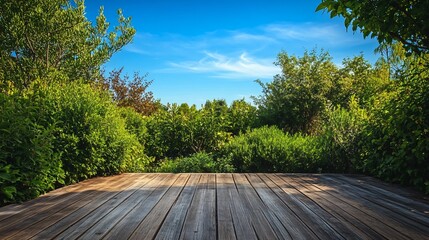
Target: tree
{"points": [[39, 38], [242, 116], [295, 98], [358, 79], [399, 20], [132, 93]]}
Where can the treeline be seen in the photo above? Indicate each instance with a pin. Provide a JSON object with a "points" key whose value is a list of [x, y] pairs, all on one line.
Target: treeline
{"points": [[63, 120], [314, 117]]}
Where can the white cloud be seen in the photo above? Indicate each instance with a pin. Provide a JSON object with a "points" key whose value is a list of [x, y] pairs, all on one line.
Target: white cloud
{"points": [[241, 53], [319, 34], [240, 37], [219, 65]]}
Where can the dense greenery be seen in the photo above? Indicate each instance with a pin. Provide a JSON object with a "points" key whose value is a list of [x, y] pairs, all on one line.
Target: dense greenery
{"points": [[41, 38], [390, 21], [197, 162], [63, 134], [395, 144], [57, 125], [63, 121], [269, 149]]}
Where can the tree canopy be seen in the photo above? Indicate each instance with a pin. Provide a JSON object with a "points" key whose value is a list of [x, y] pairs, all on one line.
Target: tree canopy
{"points": [[43, 37], [389, 21]]}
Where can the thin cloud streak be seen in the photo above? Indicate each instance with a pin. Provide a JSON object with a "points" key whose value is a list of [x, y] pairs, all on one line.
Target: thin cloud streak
{"points": [[311, 32], [304, 34], [222, 66], [238, 54]]}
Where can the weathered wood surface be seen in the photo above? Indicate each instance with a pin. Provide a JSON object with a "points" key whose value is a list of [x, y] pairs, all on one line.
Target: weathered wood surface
{"points": [[221, 206]]}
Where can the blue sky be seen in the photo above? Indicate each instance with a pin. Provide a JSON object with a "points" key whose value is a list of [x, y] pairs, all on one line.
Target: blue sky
{"points": [[197, 50]]}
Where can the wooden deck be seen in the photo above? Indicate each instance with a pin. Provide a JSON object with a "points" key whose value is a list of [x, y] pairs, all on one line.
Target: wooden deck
{"points": [[221, 206]]}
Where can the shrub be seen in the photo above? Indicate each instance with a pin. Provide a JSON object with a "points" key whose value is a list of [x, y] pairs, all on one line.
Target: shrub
{"points": [[198, 162], [29, 165], [92, 137], [135, 124], [340, 138], [62, 134], [269, 149], [396, 140], [180, 131]]}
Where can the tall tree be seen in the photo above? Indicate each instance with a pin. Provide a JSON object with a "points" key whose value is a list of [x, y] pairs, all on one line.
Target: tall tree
{"points": [[294, 99], [398, 20], [53, 37]]}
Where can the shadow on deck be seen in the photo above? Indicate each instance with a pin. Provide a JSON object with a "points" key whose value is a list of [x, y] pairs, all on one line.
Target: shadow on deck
{"points": [[221, 206]]}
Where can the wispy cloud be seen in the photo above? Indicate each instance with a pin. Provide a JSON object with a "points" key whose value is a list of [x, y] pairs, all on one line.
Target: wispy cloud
{"points": [[250, 40], [310, 32], [222, 66], [239, 53]]}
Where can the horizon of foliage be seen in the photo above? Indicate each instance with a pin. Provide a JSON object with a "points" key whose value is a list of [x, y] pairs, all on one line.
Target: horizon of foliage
{"points": [[63, 120]]}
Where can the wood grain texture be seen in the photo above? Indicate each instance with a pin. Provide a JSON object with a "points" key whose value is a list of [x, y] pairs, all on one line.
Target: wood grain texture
{"points": [[221, 206]]}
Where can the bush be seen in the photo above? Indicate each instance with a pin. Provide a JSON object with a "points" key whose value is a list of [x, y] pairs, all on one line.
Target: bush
{"points": [[29, 165], [135, 124], [92, 137], [269, 149], [63, 134], [340, 138], [198, 162], [396, 140], [181, 130]]}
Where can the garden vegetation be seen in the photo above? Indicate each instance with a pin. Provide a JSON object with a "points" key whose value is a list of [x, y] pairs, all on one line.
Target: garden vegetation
{"points": [[63, 120]]}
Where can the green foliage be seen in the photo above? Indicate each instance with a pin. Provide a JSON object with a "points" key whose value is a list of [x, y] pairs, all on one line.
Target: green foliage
{"points": [[29, 164], [182, 130], [41, 38], [294, 100], [396, 140], [93, 138], [135, 123], [401, 21], [394, 144], [358, 79], [62, 134], [196, 163], [242, 116], [55, 129], [269, 149], [340, 137]]}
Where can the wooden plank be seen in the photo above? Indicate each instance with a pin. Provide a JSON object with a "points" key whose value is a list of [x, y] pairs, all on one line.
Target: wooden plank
{"points": [[406, 206], [334, 206], [280, 221], [220, 206], [291, 209], [200, 222], [224, 216], [107, 193], [126, 226], [77, 229], [85, 208], [395, 220], [405, 192], [173, 223], [25, 219], [48, 198], [349, 206], [149, 227], [255, 208], [323, 222], [239, 212], [137, 192], [94, 196]]}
